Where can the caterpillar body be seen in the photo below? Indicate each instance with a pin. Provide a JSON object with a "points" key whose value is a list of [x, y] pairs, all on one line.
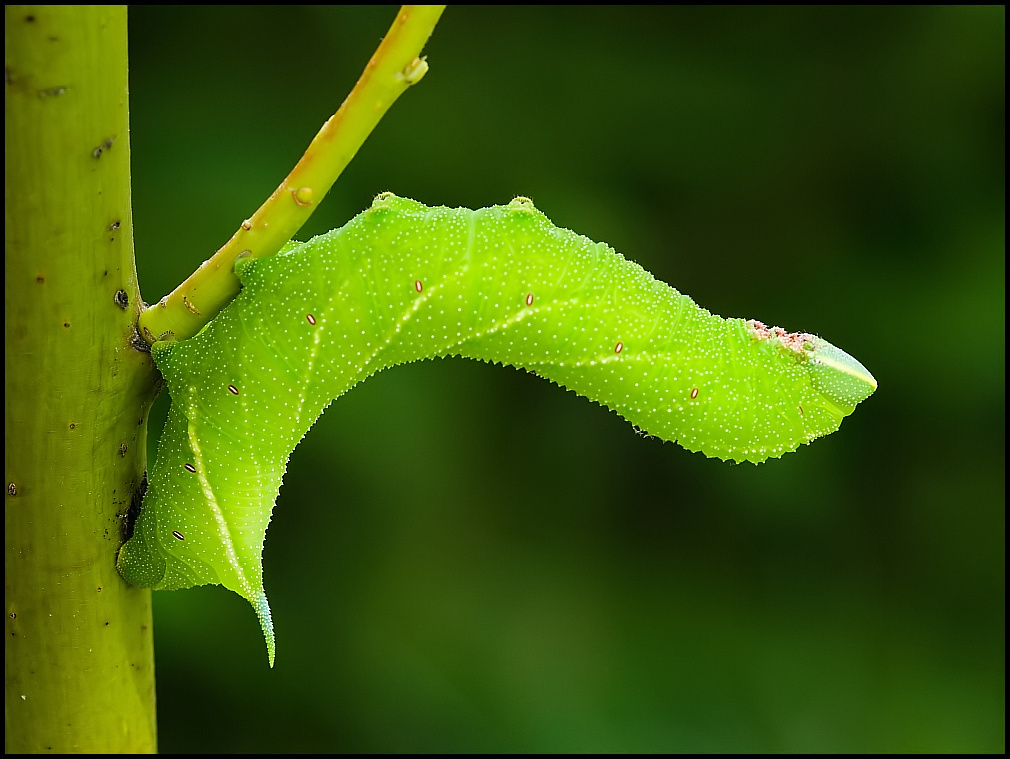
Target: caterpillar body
{"points": [[402, 282]]}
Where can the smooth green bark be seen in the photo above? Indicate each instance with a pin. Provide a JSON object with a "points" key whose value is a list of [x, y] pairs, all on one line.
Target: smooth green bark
{"points": [[79, 654]]}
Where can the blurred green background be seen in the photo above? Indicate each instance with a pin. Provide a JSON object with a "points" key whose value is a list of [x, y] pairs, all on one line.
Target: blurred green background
{"points": [[464, 557]]}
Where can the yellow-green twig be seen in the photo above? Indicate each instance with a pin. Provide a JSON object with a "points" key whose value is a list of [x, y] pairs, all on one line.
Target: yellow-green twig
{"points": [[394, 67]]}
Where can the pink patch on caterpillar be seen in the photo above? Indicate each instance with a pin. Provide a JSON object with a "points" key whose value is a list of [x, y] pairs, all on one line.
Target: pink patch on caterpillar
{"points": [[794, 341]]}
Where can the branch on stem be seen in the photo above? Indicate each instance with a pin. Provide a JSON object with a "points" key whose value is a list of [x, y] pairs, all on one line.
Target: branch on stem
{"points": [[394, 67]]}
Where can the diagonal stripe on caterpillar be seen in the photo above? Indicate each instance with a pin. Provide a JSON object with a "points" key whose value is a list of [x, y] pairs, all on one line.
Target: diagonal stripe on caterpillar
{"points": [[402, 282]]}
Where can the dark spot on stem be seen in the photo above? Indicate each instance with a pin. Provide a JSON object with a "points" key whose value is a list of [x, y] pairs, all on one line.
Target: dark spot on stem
{"points": [[139, 344], [12, 489], [123, 448], [122, 299], [106, 144], [136, 499]]}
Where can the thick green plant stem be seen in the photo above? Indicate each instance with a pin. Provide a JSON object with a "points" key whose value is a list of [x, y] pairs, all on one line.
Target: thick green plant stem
{"points": [[79, 654]]}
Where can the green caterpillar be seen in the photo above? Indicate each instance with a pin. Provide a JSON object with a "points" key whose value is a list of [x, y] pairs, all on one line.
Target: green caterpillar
{"points": [[403, 282]]}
